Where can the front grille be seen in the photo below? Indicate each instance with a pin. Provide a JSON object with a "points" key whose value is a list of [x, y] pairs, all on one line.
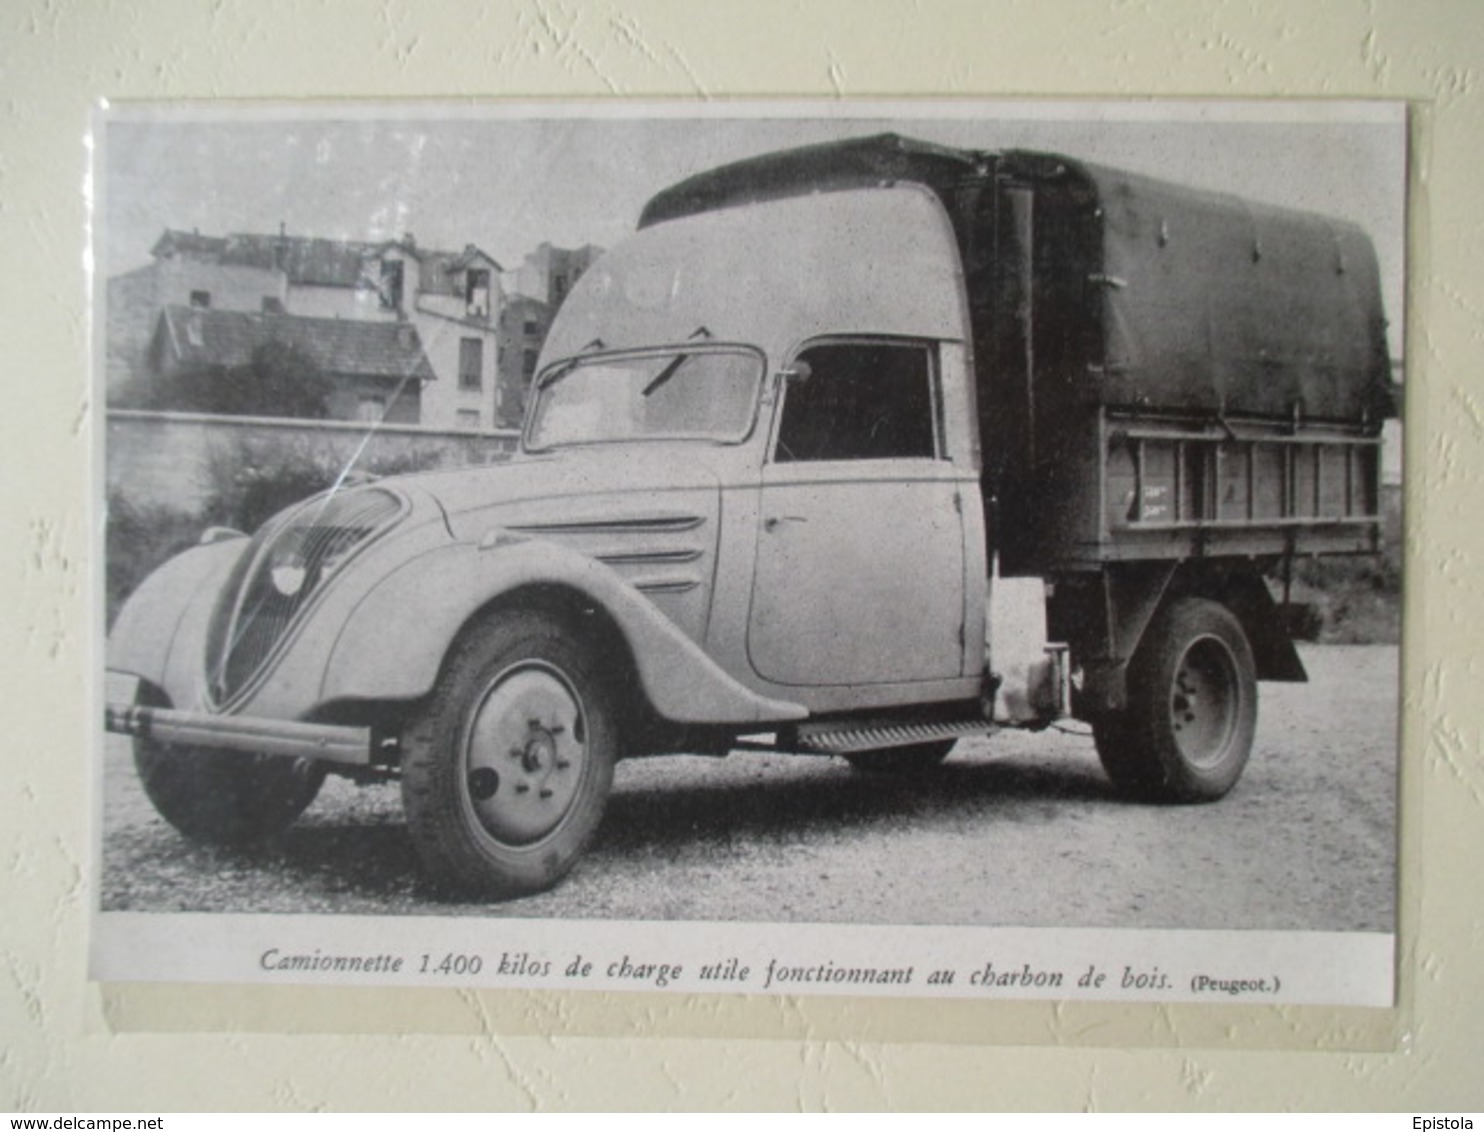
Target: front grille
{"points": [[280, 573]]}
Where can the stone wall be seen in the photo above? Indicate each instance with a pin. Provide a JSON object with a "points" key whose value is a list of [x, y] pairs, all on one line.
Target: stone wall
{"points": [[165, 459]]}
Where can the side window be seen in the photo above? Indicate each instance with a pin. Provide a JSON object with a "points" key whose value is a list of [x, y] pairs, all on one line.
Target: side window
{"points": [[860, 401]]}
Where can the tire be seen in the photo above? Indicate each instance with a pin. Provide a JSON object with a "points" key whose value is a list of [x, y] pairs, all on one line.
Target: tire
{"points": [[1192, 707], [901, 760], [225, 797], [506, 771]]}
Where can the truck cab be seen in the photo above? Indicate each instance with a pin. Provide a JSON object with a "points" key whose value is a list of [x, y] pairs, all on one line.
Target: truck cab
{"points": [[836, 405]]}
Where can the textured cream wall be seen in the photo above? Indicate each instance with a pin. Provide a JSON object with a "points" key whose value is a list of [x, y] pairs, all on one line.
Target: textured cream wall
{"points": [[67, 1044]]}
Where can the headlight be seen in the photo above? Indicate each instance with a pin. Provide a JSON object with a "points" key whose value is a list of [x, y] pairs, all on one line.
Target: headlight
{"points": [[288, 580], [287, 567]]}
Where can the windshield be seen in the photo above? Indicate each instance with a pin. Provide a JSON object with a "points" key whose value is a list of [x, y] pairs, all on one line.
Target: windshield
{"points": [[674, 393]]}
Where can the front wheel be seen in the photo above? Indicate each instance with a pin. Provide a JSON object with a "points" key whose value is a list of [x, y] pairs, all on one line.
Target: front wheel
{"points": [[507, 769], [1187, 731], [225, 797]]}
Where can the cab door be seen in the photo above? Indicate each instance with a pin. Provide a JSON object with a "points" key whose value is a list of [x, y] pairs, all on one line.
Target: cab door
{"points": [[859, 573]]}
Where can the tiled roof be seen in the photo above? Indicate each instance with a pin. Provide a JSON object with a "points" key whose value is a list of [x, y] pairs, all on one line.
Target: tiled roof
{"points": [[306, 262], [443, 272], [389, 350], [175, 239], [313, 262], [437, 276]]}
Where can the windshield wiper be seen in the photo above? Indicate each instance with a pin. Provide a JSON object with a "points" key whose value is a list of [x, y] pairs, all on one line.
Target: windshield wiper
{"points": [[665, 374], [675, 363]]}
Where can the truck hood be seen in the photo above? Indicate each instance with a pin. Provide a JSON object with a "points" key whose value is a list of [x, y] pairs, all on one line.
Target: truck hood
{"points": [[651, 514], [599, 486]]}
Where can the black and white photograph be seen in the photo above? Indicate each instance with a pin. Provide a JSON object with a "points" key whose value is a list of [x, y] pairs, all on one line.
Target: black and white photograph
{"points": [[915, 549]]}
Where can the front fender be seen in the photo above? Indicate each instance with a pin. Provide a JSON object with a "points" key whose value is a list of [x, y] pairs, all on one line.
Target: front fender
{"points": [[392, 646], [161, 629]]}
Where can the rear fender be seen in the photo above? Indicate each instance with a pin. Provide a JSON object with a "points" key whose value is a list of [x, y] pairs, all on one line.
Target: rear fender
{"points": [[1266, 627], [392, 646], [1105, 621]]}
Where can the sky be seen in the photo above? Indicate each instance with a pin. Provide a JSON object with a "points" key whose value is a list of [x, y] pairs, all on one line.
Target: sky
{"points": [[506, 177]]}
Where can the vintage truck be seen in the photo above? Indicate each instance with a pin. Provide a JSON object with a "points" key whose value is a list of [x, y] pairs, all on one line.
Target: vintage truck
{"points": [[853, 449]]}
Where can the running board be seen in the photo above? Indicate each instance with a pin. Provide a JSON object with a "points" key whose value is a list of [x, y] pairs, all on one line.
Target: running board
{"points": [[877, 735]]}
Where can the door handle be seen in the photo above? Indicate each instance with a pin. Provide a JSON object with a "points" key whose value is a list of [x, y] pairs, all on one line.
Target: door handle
{"points": [[773, 522]]}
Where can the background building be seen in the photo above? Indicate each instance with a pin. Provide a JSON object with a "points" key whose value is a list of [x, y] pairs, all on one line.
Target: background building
{"points": [[549, 272], [304, 290], [536, 291], [365, 371], [523, 326]]}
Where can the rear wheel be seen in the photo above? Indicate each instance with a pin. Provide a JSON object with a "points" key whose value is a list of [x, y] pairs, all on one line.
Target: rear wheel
{"points": [[1192, 707], [507, 769], [901, 760]]}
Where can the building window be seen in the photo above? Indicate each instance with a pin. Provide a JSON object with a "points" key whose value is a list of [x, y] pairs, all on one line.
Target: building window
{"points": [[371, 409], [532, 328], [528, 363], [471, 363], [468, 419], [391, 285], [201, 300], [558, 288], [477, 292]]}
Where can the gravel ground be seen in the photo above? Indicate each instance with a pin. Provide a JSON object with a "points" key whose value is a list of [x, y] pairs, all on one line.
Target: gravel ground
{"points": [[1013, 830]]}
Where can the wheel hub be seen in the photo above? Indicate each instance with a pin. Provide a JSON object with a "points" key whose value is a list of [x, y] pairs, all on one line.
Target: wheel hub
{"points": [[523, 754], [1203, 702], [540, 751]]}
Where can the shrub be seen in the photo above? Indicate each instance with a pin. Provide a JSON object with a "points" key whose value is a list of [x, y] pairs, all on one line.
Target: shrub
{"points": [[1358, 599], [252, 479], [280, 380], [138, 540]]}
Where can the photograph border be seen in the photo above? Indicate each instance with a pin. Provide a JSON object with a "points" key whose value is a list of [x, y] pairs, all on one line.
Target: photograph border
{"points": [[106, 965]]}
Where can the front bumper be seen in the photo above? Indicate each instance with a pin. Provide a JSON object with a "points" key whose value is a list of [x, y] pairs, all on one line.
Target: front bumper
{"points": [[323, 741]]}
